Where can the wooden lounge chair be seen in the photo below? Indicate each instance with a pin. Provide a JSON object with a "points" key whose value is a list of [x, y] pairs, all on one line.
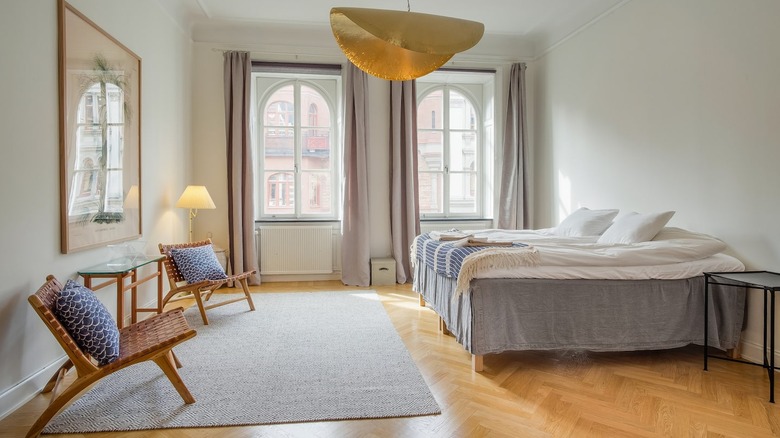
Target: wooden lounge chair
{"points": [[150, 339], [201, 291]]}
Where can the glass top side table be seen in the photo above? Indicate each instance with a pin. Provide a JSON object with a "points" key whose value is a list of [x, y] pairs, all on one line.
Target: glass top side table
{"points": [[117, 271]]}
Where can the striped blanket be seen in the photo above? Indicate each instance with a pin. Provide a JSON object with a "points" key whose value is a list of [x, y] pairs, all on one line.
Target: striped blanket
{"points": [[464, 262]]}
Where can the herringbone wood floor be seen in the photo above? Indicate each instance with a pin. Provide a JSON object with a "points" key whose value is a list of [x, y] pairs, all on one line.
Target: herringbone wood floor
{"points": [[529, 394]]}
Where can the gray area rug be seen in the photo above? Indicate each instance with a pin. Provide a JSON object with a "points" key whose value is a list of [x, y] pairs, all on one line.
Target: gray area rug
{"points": [[299, 357]]}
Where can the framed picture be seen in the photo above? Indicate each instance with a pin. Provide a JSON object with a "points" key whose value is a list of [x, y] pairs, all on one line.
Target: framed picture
{"points": [[100, 135]]}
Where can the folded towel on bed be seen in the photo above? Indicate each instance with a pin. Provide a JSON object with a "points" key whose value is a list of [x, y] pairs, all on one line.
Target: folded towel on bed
{"points": [[449, 235]]}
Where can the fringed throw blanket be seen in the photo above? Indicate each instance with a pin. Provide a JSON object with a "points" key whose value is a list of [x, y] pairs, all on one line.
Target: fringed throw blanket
{"points": [[454, 260]]}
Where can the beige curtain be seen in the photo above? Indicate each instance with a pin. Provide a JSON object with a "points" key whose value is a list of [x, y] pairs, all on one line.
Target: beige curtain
{"points": [[241, 224], [355, 249], [513, 202], [404, 200]]}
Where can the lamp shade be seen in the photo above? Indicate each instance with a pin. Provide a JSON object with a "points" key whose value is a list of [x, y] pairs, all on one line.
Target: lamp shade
{"points": [[400, 45], [195, 197]]}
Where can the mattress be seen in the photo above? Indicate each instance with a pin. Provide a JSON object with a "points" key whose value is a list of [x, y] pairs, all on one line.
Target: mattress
{"points": [[675, 253]]}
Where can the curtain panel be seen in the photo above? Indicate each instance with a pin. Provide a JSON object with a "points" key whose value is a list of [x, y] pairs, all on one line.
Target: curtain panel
{"points": [[355, 245], [513, 202], [404, 199], [241, 223]]}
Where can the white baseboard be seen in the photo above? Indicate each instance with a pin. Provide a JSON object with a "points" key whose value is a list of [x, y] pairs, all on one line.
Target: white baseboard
{"points": [[299, 277], [753, 352], [27, 389]]}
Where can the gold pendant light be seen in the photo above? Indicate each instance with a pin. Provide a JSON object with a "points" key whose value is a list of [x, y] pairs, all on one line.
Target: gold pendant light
{"points": [[398, 45]]}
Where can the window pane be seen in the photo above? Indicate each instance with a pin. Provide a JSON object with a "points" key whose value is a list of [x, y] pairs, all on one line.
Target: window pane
{"points": [[85, 189], [114, 198], [87, 112], [462, 115], [316, 196], [463, 152], [279, 151], [430, 111], [280, 111], [315, 145], [114, 146], [430, 150], [314, 108], [463, 189], [114, 105], [279, 193], [88, 139], [431, 193]]}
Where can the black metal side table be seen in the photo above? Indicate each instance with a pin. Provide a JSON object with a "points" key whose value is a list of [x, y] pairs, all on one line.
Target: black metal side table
{"points": [[767, 281]]}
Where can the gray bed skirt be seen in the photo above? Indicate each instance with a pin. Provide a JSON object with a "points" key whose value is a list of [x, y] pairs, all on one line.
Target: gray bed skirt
{"points": [[506, 314]]}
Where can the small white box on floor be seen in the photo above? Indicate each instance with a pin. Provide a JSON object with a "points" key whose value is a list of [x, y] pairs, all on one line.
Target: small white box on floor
{"points": [[382, 271]]}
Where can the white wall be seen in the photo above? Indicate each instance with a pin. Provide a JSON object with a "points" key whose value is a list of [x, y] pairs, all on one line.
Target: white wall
{"points": [[669, 105], [29, 170]]}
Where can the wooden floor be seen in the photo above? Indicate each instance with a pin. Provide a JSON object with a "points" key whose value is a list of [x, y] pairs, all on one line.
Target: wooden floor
{"points": [[529, 394]]}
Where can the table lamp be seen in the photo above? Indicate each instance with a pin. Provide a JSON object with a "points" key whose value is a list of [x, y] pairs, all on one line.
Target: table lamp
{"points": [[194, 198]]}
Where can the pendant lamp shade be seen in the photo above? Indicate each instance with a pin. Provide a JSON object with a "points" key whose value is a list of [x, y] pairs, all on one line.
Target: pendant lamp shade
{"points": [[399, 45]]}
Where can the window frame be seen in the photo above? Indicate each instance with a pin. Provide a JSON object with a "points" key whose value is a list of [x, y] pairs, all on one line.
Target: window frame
{"points": [[275, 78], [480, 172]]}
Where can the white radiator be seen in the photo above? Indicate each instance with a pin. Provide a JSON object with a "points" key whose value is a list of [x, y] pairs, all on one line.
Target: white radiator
{"points": [[296, 249]]}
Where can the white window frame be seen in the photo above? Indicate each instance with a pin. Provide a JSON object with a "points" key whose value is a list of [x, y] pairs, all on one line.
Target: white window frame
{"points": [[260, 98], [464, 84]]}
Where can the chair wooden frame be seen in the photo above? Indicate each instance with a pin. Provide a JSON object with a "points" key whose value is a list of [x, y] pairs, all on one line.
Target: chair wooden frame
{"points": [[202, 290], [150, 339]]}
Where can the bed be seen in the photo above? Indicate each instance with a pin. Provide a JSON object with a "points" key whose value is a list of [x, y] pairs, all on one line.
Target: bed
{"points": [[577, 292]]}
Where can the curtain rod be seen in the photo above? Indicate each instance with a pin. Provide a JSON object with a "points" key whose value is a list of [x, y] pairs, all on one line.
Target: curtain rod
{"points": [[462, 61], [279, 53]]}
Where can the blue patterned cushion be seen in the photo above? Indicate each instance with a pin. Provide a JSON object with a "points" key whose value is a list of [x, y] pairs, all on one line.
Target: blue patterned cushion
{"points": [[88, 322], [198, 263]]}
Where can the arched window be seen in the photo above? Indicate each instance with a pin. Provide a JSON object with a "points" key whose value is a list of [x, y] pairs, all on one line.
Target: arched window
{"points": [[296, 147], [448, 153]]}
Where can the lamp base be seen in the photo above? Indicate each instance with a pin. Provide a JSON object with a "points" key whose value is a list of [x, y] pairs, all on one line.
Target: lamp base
{"points": [[193, 213]]}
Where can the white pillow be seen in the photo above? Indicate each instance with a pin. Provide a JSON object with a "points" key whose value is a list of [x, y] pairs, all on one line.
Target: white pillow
{"points": [[585, 222], [635, 227]]}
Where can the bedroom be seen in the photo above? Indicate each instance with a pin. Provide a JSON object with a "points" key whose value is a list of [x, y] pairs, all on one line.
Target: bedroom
{"points": [[655, 106]]}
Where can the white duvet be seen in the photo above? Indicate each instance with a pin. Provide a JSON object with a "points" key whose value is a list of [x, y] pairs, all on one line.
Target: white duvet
{"points": [[674, 253]]}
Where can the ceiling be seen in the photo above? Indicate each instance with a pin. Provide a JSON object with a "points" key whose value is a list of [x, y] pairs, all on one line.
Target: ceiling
{"points": [[538, 24]]}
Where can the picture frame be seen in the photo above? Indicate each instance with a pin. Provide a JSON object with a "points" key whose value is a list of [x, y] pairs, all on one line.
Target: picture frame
{"points": [[100, 135]]}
